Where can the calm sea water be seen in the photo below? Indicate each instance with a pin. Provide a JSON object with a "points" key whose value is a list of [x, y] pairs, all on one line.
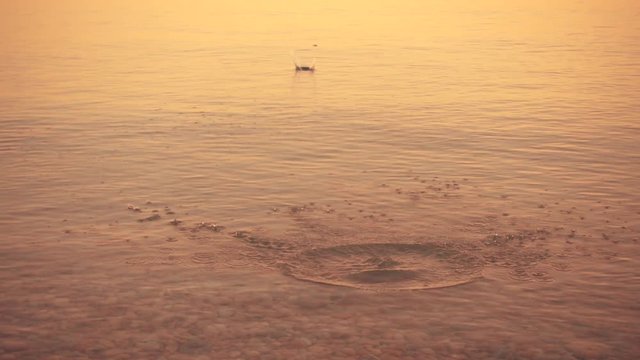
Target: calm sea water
{"points": [[456, 179]]}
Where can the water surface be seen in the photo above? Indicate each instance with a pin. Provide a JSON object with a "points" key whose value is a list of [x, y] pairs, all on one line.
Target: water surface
{"points": [[456, 179]]}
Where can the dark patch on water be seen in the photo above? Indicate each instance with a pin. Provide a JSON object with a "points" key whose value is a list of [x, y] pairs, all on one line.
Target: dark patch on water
{"points": [[153, 217]]}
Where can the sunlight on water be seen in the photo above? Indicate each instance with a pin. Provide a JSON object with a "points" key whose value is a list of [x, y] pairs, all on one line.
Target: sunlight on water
{"points": [[455, 179]]}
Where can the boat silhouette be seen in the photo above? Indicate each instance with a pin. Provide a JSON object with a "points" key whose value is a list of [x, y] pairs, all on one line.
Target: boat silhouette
{"points": [[305, 68]]}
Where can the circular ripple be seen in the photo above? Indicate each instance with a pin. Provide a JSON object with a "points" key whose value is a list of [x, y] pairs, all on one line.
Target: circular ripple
{"points": [[387, 266], [155, 260], [203, 258]]}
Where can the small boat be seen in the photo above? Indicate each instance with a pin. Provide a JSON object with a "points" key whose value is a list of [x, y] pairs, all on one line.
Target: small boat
{"points": [[305, 68]]}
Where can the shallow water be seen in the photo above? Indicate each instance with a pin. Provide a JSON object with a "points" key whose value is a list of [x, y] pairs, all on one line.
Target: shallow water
{"points": [[455, 180]]}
